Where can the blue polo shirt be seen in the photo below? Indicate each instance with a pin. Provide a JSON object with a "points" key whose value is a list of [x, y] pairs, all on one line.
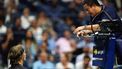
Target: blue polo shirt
{"points": [[39, 65]]}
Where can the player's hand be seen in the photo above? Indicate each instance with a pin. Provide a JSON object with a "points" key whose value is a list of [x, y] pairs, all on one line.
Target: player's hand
{"points": [[83, 33], [78, 29]]}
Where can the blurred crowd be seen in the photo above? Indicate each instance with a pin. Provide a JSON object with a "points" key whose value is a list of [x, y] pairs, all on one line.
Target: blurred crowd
{"points": [[45, 29]]}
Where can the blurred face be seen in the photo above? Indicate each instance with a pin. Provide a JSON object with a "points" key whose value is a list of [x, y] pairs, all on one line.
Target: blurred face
{"points": [[43, 57], [26, 12], [63, 59], [86, 61], [86, 50], [51, 58], [44, 46], [45, 36], [42, 15], [18, 22], [29, 34], [67, 34], [81, 15], [78, 1], [34, 23], [28, 42], [69, 21]]}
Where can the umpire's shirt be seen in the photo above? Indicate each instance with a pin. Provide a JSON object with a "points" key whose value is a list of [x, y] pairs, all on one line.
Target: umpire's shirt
{"points": [[111, 12]]}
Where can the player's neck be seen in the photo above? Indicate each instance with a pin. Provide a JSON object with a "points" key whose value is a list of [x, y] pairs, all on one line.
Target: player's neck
{"points": [[20, 62], [98, 9]]}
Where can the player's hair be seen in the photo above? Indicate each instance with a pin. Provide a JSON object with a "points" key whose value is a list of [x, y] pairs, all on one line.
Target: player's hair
{"points": [[15, 54], [91, 2]]}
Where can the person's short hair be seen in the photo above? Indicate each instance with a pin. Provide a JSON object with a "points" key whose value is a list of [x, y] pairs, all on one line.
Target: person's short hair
{"points": [[15, 54], [91, 2], [87, 57], [43, 53], [66, 55]]}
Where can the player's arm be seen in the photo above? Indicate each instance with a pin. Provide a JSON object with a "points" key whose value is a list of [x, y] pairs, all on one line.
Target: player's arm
{"points": [[87, 29]]}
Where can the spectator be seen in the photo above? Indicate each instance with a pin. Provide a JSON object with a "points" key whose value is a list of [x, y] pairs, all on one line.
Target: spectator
{"points": [[31, 50], [64, 63], [44, 48], [60, 30], [52, 59], [84, 64], [55, 10], [41, 5], [87, 46], [48, 37], [83, 18], [36, 30], [3, 28], [79, 1], [26, 18], [86, 51], [75, 51], [79, 5], [86, 42], [67, 24], [18, 31], [43, 21], [70, 10], [45, 37], [29, 35], [11, 12], [14, 2], [52, 40], [63, 43], [73, 44], [6, 44], [43, 62]]}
